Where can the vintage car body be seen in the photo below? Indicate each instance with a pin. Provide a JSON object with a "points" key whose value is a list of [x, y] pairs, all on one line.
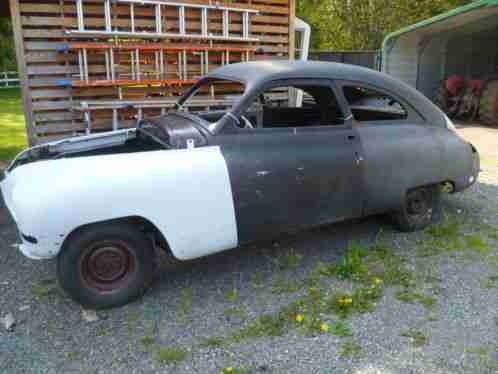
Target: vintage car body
{"points": [[210, 182]]}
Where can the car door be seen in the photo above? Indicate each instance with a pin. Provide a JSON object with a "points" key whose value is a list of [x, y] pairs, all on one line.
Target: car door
{"points": [[284, 179], [401, 150]]}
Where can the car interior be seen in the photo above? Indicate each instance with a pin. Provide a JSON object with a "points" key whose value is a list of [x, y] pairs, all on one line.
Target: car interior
{"points": [[277, 108], [368, 105]]}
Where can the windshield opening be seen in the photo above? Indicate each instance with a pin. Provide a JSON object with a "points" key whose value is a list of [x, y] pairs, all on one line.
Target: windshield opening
{"points": [[212, 98]]}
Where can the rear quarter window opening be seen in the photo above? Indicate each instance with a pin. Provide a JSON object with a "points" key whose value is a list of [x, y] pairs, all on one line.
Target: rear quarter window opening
{"points": [[368, 105]]}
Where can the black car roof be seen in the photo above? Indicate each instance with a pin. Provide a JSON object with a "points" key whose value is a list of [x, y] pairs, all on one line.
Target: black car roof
{"points": [[256, 73]]}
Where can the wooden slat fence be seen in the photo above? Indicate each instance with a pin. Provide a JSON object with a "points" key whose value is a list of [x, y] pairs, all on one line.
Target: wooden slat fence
{"points": [[40, 29]]}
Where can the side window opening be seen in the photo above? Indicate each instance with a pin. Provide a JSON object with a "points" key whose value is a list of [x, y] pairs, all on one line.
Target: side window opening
{"points": [[276, 108], [371, 105]]}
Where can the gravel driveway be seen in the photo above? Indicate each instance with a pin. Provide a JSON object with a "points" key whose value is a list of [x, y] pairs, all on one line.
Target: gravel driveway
{"points": [[403, 303]]}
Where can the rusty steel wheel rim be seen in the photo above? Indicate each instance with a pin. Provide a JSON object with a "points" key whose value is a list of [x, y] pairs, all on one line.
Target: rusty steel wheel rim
{"points": [[107, 266]]}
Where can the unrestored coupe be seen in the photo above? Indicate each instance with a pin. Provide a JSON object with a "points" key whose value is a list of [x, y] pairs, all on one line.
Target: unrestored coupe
{"points": [[304, 144]]}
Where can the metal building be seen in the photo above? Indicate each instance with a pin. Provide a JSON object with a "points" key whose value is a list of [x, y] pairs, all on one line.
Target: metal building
{"points": [[460, 42]]}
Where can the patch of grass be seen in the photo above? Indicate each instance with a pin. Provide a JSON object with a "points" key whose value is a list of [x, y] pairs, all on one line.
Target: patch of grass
{"points": [[496, 320], [236, 312], [258, 280], [263, 326], [412, 297], [103, 332], [342, 329], [477, 245], [42, 291], [361, 300], [232, 296], [285, 286], [353, 266], [484, 355], [167, 356], [148, 341], [184, 309], [231, 370], [72, 356], [490, 282], [351, 349], [133, 320], [13, 131], [214, 342], [292, 261], [417, 337], [442, 238]]}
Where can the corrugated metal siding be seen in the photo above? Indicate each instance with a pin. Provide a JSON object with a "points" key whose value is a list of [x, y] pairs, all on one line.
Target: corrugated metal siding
{"points": [[431, 66], [401, 61], [464, 44]]}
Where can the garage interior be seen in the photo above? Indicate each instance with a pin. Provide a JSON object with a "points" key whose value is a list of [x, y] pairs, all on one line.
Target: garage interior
{"points": [[461, 42]]}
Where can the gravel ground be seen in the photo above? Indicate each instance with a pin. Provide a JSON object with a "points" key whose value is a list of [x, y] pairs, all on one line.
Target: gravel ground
{"points": [[195, 301]]}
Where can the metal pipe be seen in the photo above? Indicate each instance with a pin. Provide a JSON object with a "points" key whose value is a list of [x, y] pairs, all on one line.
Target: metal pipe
{"points": [[194, 6], [226, 24], [159, 25], [107, 65], [154, 35], [132, 17], [185, 64], [113, 68], [181, 16], [81, 20], [245, 27], [115, 120], [85, 65], [205, 22], [80, 64], [132, 65], [161, 64], [108, 19], [137, 61]]}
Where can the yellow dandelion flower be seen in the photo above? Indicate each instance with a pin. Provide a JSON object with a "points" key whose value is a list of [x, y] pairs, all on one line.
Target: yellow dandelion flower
{"points": [[348, 300], [299, 318], [324, 327]]}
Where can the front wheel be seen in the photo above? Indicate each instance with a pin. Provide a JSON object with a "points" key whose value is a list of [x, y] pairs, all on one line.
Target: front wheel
{"points": [[419, 209], [106, 265]]}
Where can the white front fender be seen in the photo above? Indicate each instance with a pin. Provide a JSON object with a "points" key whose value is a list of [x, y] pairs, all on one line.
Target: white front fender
{"points": [[186, 194]]}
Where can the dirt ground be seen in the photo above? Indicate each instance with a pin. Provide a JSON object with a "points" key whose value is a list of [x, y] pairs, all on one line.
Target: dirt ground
{"points": [[429, 302]]}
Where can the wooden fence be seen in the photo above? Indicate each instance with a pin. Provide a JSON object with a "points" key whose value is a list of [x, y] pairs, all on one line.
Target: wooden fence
{"points": [[9, 79], [46, 37]]}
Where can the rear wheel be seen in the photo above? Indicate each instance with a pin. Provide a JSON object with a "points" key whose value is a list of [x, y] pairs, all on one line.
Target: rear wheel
{"points": [[419, 210], [106, 266], [488, 107]]}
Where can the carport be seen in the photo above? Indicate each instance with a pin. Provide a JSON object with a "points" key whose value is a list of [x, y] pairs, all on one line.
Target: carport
{"points": [[460, 42]]}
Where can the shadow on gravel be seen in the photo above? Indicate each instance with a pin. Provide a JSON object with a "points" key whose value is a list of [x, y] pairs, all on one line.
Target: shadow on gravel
{"points": [[52, 334]]}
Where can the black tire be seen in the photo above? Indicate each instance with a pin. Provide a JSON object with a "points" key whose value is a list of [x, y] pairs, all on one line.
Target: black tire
{"points": [[421, 208], [105, 266], [488, 106]]}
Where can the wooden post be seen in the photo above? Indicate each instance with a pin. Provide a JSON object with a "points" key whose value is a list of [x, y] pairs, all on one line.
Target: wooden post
{"points": [[292, 29], [21, 66]]}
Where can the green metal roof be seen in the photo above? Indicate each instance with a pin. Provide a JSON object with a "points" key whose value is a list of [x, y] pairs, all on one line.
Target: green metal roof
{"points": [[444, 16]]}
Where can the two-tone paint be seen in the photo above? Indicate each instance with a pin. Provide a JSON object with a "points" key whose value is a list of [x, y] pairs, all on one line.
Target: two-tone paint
{"points": [[239, 185]]}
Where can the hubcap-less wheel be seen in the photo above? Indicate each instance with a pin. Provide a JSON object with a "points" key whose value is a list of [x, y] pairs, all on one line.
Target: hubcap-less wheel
{"points": [[419, 210], [107, 266], [418, 203]]}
